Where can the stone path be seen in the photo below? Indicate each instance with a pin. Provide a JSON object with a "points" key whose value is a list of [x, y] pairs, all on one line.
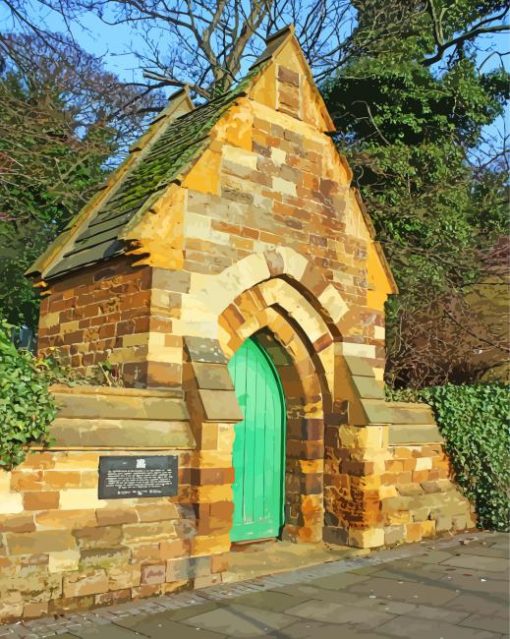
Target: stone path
{"points": [[451, 589]]}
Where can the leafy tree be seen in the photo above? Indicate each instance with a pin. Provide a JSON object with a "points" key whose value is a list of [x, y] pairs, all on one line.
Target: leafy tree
{"points": [[63, 119], [408, 128]]}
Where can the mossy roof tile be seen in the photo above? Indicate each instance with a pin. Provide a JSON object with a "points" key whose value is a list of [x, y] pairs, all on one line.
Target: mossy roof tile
{"points": [[166, 157]]}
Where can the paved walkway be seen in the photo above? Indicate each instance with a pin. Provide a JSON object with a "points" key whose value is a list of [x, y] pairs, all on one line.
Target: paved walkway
{"points": [[452, 589]]}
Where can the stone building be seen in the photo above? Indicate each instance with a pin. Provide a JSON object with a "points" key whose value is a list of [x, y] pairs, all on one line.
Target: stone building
{"points": [[229, 274]]}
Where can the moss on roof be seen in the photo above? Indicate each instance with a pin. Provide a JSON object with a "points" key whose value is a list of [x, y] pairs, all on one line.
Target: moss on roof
{"points": [[166, 157]]}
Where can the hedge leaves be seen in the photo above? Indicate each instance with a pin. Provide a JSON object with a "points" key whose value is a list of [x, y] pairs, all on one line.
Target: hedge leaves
{"points": [[26, 406]]}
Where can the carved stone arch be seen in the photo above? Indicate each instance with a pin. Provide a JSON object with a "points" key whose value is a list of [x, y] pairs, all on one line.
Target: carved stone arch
{"points": [[217, 292], [307, 397]]}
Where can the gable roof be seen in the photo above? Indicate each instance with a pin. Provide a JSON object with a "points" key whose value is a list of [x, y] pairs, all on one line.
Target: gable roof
{"points": [[161, 162], [177, 137]]}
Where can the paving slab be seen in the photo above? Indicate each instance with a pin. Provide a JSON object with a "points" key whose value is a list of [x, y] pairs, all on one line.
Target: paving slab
{"points": [[111, 631], [162, 626], [477, 562], [240, 621], [272, 600], [480, 604], [452, 588], [411, 591], [338, 582], [317, 630], [410, 627], [485, 622], [327, 611]]}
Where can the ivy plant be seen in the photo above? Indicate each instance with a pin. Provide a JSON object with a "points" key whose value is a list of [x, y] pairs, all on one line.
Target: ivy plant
{"points": [[27, 408], [474, 421]]}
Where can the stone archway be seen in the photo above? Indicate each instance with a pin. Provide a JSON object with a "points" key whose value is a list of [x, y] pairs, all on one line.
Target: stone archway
{"points": [[266, 313]]}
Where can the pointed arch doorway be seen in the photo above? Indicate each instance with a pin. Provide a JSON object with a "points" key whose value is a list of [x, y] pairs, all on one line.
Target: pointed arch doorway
{"points": [[259, 445]]}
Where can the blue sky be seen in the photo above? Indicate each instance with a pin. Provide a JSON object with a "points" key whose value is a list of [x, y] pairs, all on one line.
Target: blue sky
{"points": [[114, 43]]}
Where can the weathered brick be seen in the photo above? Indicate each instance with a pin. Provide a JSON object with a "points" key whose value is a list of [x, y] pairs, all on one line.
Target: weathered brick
{"points": [[153, 574]]}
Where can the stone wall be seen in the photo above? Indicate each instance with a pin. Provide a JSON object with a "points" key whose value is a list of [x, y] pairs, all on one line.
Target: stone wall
{"points": [[100, 313], [261, 237], [62, 548]]}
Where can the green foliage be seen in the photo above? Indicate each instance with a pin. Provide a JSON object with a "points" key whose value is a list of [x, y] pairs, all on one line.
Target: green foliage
{"points": [[62, 120], [474, 421], [409, 129], [26, 405]]}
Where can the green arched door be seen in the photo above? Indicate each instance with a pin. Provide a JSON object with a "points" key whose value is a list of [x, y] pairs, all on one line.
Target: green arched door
{"points": [[258, 455]]}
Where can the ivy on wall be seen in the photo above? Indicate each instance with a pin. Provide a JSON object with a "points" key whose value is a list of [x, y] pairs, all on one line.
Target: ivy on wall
{"points": [[27, 408], [474, 421]]}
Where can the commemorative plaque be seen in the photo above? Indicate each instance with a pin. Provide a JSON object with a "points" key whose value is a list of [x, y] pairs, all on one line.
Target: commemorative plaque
{"points": [[144, 476]]}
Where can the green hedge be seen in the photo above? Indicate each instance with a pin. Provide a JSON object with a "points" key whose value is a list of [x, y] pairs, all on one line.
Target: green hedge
{"points": [[26, 406], [474, 421]]}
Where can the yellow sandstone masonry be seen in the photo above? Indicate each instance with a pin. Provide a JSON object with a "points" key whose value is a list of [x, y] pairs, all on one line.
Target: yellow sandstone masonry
{"points": [[253, 231]]}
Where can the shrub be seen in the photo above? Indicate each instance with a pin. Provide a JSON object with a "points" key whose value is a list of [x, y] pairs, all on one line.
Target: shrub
{"points": [[26, 406], [474, 421]]}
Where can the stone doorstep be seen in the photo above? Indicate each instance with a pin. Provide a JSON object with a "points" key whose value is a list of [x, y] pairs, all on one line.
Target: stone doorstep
{"points": [[359, 559]]}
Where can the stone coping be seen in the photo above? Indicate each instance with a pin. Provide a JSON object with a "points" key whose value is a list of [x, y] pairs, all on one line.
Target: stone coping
{"points": [[115, 391]]}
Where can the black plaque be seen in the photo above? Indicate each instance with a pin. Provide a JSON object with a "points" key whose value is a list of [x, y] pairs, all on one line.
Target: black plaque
{"points": [[153, 476]]}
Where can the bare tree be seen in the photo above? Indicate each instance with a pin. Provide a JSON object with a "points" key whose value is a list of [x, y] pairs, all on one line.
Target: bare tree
{"points": [[207, 44]]}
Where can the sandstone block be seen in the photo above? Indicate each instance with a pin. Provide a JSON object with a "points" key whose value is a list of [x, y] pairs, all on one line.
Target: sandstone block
{"points": [[43, 541], [58, 479], [83, 585], [394, 535], [430, 486], [443, 523], [460, 522], [154, 531], [64, 519], [63, 560], [32, 610], [146, 590], [110, 598], [372, 538], [122, 577], [40, 500], [86, 497], [98, 537], [17, 523], [428, 528], [145, 552], [413, 532], [178, 569], [420, 514], [423, 463], [409, 490], [153, 574], [11, 503], [104, 557], [395, 503], [208, 580], [67, 604], [156, 512], [398, 517], [219, 563], [173, 549], [210, 544], [112, 516]]}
